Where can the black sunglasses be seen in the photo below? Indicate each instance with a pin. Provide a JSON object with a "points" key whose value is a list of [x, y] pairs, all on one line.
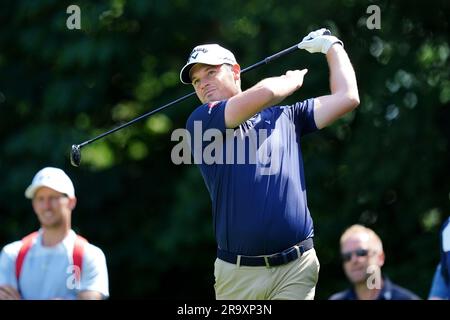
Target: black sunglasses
{"points": [[347, 256]]}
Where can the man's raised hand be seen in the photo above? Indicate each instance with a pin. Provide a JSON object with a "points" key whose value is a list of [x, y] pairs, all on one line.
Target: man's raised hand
{"points": [[319, 41]]}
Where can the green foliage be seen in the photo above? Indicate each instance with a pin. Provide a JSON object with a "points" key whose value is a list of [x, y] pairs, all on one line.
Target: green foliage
{"points": [[385, 165]]}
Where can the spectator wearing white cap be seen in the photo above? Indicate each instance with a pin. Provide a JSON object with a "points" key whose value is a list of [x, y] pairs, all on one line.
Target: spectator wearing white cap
{"points": [[53, 262]]}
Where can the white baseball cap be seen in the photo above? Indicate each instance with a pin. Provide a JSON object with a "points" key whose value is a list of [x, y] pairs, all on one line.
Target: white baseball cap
{"points": [[211, 54], [52, 178]]}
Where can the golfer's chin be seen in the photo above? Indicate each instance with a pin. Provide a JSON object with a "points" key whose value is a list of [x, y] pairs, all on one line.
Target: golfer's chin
{"points": [[213, 97], [209, 98]]}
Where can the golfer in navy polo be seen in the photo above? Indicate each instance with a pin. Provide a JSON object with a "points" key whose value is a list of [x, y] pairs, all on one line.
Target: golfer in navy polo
{"points": [[251, 162]]}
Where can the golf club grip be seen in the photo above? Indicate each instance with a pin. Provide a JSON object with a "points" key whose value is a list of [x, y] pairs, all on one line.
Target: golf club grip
{"points": [[271, 58]]}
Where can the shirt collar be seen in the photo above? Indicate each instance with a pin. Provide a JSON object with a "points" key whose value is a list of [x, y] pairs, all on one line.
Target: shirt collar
{"points": [[385, 293]]}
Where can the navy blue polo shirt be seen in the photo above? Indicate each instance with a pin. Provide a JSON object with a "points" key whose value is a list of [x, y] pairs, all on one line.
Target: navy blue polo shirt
{"points": [[254, 175], [390, 291]]}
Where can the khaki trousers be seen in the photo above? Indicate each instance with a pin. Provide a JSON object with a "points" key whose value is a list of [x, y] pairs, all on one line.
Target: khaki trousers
{"points": [[295, 280]]}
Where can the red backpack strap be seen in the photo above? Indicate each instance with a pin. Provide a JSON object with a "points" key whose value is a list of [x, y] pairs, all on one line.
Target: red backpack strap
{"points": [[27, 242], [77, 255]]}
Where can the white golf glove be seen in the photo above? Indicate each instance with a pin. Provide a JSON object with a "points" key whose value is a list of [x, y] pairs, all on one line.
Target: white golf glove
{"points": [[319, 41]]}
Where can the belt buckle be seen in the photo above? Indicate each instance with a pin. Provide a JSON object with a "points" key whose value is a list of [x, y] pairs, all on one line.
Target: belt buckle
{"points": [[300, 250], [292, 253], [286, 255]]}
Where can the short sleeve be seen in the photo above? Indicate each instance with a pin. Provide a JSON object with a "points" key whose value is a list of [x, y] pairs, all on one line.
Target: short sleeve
{"points": [[94, 274], [7, 264], [304, 116]]}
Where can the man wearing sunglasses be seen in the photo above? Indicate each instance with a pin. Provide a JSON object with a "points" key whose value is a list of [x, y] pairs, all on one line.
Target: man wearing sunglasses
{"points": [[362, 257]]}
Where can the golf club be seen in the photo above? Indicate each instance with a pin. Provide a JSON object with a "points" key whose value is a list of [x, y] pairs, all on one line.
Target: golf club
{"points": [[75, 154]]}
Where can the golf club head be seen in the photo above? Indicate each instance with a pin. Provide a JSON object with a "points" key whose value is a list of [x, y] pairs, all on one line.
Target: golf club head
{"points": [[75, 155]]}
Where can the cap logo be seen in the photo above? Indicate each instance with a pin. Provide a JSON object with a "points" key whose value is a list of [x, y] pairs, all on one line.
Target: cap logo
{"points": [[204, 50], [195, 53]]}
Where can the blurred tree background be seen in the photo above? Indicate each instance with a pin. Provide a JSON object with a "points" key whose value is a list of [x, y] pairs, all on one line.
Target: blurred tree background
{"points": [[385, 165]]}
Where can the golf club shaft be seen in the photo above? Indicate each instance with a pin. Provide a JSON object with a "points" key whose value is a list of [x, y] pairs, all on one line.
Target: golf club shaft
{"points": [[269, 59], [264, 61], [138, 118]]}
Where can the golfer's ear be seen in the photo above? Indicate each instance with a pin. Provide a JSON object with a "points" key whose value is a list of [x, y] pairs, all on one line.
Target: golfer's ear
{"points": [[236, 71]]}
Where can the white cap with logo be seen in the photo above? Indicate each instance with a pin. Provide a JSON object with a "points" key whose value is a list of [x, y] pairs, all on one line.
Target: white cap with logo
{"points": [[211, 54], [52, 178]]}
